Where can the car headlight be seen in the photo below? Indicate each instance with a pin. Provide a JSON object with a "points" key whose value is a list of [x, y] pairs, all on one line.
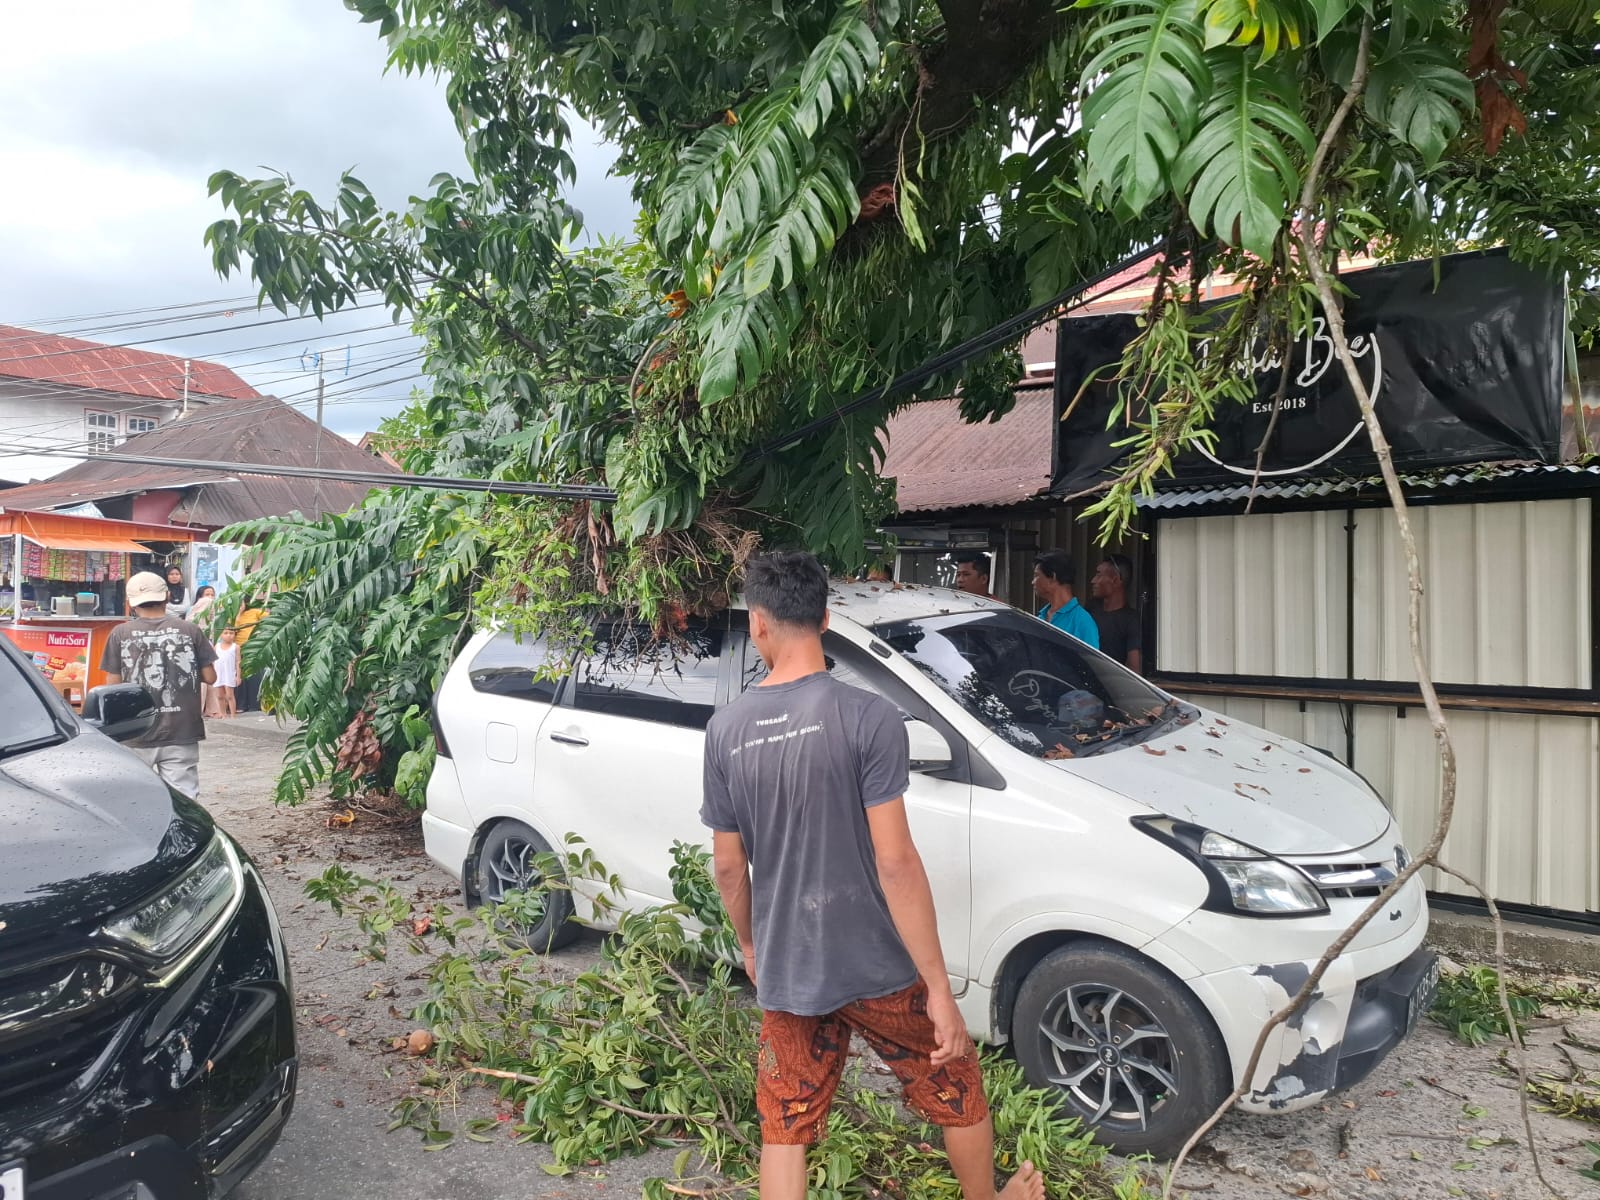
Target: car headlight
{"points": [[1242, 879], [176, 921]]}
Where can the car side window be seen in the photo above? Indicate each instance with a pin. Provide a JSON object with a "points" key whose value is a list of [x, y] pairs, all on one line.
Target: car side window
{"points": [[506, 666], [630, 673]]}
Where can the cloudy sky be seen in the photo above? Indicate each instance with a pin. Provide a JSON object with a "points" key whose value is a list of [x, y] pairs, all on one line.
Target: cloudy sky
{"points": [[113, 113]]}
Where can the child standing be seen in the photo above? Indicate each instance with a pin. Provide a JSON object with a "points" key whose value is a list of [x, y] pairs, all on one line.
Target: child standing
{"points": [[227, 674]]}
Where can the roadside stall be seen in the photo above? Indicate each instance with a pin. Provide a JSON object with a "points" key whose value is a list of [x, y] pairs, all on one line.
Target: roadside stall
{"points": [[62, 581]]}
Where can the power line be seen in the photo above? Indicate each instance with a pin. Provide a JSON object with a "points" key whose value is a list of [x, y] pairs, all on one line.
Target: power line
{"points": [[573, 491]]}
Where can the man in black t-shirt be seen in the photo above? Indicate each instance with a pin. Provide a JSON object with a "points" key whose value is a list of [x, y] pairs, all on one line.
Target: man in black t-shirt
{"points": [[1117, 620], [170, 658]]}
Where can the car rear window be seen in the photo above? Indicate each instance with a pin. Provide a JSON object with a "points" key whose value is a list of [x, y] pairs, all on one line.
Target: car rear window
{"points": [[520, 669], [29, 721]]}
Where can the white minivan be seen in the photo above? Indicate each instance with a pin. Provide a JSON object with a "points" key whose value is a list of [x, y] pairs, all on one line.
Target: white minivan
{"points": [[1127, 886]]}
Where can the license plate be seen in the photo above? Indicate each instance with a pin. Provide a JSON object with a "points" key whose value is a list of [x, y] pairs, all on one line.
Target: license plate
{"points": [[11, 1181], [1422, 998]]}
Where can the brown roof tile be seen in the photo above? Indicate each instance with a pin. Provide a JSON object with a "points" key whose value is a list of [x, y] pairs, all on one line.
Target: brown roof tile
{"points": [[940, 461], [122, 370]]}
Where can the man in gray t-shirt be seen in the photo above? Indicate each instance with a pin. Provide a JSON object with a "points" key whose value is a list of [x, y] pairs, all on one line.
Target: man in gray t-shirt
{"points": [[170, 658], [804, 792]]}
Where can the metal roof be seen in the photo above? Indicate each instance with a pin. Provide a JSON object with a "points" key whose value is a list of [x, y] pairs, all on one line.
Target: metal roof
{"points": [[121, 370], [939, 461], [1311, 488]]}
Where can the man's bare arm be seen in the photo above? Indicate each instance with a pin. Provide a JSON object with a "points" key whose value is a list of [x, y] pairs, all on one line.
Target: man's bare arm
{"points": [[905, 886], [731, 866], [1136, 661], [208, 674]]}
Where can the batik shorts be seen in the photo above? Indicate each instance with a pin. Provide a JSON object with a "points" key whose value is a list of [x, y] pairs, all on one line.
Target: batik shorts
{"points": [[802, 1059]]}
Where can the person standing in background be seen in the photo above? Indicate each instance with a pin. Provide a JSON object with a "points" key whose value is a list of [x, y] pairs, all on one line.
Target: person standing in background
{"points": [[1117, 620], [177, 593], [972, 573], [227, 674], [170, 658], [1052, 583]]}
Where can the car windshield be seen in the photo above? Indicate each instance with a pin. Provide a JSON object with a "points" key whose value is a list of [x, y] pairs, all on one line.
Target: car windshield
{"points": [[1044, 692], [29, 722]]}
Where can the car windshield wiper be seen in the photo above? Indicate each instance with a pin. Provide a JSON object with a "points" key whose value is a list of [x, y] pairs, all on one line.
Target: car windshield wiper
{"points": [[1153, 721], [11, 749]]}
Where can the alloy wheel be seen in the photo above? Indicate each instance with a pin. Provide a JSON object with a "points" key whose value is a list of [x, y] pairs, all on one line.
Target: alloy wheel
{"points": [[511, 869], [1108, 1050]]}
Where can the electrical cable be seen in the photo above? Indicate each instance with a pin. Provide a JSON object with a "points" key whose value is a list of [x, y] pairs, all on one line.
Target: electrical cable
{"points": [[573, 491]]}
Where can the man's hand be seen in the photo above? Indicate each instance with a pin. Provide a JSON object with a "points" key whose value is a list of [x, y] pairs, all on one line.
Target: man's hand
{"points": [[949, 1030], [749, 953]]}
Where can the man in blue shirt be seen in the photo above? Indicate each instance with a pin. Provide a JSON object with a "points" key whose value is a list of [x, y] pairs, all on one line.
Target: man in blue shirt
{"points": [[1052, 583]]}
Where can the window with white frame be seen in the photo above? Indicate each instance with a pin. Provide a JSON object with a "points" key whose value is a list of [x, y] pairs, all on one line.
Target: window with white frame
{"points": [[100, 431], [137, 425]]}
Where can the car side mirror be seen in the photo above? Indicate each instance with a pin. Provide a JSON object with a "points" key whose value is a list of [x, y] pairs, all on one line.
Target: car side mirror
{"points": [[121, 711], [929, 750]]}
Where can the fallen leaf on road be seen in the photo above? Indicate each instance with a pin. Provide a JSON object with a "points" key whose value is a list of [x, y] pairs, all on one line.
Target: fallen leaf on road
{"points": [[421, 926], [338, 820], [1374, 1174]]}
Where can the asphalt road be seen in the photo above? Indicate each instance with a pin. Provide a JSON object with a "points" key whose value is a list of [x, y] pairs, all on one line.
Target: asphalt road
{"points": [[1437, 1118]]}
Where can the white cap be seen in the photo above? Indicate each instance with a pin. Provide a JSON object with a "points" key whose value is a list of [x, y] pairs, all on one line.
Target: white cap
{"points": [[147, 588]]}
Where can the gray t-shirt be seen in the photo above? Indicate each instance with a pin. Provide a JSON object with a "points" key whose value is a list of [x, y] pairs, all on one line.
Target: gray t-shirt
{"points": [[165, 655], [792, 768]]}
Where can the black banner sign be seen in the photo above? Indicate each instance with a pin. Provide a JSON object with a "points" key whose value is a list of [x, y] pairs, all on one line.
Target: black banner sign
{"points": [[1466, 371]]}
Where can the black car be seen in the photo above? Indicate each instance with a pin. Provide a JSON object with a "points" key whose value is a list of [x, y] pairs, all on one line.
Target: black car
{"points": [[146, 1020]]}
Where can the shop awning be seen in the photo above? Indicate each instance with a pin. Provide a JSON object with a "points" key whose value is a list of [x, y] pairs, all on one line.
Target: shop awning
{"points": [[88, 541]]}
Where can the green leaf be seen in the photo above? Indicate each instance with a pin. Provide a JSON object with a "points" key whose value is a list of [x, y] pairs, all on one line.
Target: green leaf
{"points": [[1142, 94], [820, 209], [1239, 179], [1421, 97], [1251, 22], [1329, 13]]}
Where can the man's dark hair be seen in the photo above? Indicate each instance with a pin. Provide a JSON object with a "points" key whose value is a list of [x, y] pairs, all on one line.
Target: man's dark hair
{"points": [[790, 586], [973, 558], [1057, 565], [1123, 566]]}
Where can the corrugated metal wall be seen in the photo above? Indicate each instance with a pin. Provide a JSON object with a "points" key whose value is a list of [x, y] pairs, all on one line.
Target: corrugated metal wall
{"points": [[1262, 595], [1508, 604], [1507, 600]]}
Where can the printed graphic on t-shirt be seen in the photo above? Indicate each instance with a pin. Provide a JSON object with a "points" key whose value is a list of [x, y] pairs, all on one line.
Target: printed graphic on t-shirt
{"points": [[163, 661]]}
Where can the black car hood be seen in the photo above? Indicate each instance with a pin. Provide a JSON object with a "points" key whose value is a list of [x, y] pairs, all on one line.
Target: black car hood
{"points": [[86, 829]]}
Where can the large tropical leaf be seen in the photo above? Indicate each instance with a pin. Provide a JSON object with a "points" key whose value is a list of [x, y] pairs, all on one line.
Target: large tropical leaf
{"points": [[836, 70], [1142, 92], [743, 334], [1421, 97], [822, 206], [1236, 173]]}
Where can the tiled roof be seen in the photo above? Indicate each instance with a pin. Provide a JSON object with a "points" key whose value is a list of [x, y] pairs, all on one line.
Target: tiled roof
{"points": [[939, 461], [264, 430], [121, 370]]}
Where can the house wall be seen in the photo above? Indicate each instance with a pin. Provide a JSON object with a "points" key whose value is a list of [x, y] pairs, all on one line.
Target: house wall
{"points": [[155, 507], [36, 417], [1508, 605]]}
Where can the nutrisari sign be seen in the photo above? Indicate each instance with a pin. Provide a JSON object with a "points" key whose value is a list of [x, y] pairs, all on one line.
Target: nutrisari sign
{"points": [[1465, 367]]}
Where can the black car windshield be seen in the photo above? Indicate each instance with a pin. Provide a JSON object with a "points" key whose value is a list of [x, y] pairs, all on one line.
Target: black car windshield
{"points": [[29, 721], [1044, 692]]}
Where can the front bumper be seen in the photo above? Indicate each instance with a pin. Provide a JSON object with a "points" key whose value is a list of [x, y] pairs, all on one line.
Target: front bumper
{"points": [[1340, 1035], [185, 1088]]}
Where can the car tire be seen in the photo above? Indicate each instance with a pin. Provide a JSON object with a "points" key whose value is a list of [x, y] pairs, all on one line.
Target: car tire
{"points": [[505, 863], [1131, 1050]]}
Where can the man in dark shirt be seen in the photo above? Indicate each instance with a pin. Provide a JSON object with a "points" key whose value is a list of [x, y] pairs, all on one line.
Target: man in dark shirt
{"points": [[171, 658], [1117, 620], [804, 792]]}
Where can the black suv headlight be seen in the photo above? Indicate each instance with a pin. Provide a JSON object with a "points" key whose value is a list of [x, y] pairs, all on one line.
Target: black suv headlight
{"points": [[177, 923], [1242, 879]]}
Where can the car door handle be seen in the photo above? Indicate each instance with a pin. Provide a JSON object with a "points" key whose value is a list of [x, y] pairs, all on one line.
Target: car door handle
{"points": [[569, 739]]}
